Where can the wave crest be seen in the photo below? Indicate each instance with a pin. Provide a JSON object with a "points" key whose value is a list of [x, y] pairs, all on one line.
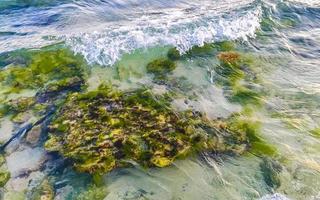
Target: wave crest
{"points": [[172, 27]]}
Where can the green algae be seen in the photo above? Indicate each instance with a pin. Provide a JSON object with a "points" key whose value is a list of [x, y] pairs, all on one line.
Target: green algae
{"points": [[4, 174], [102, 130], [246, 96], [315, 132], [93, 193], [225, 46], [161, 67], [234, 70], [251, 128]]}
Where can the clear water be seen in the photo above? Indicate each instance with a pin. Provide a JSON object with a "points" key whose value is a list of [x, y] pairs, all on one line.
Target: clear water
{"points": [[124, 35]]}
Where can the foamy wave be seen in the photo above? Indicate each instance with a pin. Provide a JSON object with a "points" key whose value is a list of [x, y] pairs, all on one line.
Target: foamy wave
{"points": [[180, 28], [275, 196]]}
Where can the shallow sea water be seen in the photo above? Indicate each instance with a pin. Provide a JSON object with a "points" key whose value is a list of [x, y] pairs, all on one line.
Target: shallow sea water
{"points": [[119, 38]]}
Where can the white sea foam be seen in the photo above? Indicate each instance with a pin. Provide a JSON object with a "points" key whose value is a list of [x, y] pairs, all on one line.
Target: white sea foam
{"points": [[275, 196], [180, 28]]}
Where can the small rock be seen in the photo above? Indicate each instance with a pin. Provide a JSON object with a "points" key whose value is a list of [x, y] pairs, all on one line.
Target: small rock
{"points": [[26, 160], [33, 135]]}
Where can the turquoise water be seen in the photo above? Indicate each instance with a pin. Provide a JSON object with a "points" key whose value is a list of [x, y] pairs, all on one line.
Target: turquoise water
{"points": [[117, 40]]}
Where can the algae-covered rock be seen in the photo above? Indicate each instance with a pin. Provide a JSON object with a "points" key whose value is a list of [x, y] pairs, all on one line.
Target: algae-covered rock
{"points": [[4, 177], [41, 67], [161, 67], [270, 171], [16, 106], [43, 192], [33, 136], [102, 130], [174, 54]]}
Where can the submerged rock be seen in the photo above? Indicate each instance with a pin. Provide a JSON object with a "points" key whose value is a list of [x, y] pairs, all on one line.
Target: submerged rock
{"points": [[104, 129], [4, 177], [25, 161], [33, 136], [43, 192], [56, 89], [173, 54]]}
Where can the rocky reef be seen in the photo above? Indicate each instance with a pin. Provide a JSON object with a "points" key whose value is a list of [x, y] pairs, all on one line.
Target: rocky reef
{"points": [[106, 129]]}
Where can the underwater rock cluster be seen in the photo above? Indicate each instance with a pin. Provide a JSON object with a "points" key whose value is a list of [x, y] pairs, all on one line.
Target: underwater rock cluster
{"points": [[105, 129]]}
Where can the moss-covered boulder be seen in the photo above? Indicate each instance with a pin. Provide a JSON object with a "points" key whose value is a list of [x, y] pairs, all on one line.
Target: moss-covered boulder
{"points": [[104, 129], [161, 67]]}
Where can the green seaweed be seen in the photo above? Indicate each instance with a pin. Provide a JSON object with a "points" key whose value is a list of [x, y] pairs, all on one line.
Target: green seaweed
{"points": [[207, 49], [225, 46], [251, 129], [234, 70], [246, 96]]}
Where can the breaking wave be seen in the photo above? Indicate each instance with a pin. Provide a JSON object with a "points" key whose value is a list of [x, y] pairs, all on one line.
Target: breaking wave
{"points": [[180, 28]]}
